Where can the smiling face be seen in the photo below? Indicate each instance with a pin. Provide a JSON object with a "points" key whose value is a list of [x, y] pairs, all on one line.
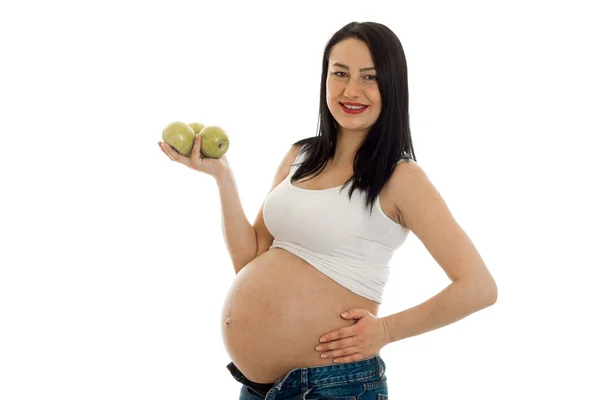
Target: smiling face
{"points": [[351, 79]]}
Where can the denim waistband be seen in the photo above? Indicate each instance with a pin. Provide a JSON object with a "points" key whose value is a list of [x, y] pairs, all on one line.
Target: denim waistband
{"points": [[305, 377]]}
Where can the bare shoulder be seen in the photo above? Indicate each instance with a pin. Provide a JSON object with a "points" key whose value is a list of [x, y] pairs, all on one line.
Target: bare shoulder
{"points": [[415, 197], [405, 172], [293, 153], [286, 163], [290, 156]]}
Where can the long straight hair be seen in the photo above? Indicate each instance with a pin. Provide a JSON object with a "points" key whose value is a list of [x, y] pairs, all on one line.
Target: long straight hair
{"points": [[388, 140]]}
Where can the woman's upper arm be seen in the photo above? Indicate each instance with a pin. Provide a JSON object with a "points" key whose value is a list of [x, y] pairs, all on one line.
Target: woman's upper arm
{"points": [[427, 215], [264, 240]]}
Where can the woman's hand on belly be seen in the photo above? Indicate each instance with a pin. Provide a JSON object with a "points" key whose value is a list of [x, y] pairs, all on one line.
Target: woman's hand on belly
{"points": [[277, 309], [362, 340]]}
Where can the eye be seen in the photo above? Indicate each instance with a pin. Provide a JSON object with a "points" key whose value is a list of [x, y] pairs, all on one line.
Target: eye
{"points": [[371, 77], [338, 72]]}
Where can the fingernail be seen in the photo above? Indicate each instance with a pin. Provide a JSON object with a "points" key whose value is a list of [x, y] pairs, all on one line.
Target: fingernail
{"points": [[319, 348], [323, 355], [323, 340]]}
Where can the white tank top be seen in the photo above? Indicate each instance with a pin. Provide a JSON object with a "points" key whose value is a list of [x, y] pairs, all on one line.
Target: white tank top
{"points": [[334, 234]]}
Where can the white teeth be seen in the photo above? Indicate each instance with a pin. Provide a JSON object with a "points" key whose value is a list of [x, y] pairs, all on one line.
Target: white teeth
{"points": [[354, 107]]}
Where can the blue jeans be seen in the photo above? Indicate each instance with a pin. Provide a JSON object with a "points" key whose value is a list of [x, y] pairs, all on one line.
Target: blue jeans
{"points": [[359, 380]]}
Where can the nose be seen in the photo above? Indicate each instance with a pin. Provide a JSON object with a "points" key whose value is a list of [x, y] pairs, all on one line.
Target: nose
{"points": [[352, 90]]}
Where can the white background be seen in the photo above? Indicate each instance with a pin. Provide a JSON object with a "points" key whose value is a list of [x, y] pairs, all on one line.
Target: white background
{"points": [[113, 264]]}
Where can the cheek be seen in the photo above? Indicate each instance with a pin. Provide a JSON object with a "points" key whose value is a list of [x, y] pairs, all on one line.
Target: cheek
{"points": [[334, 86], [375, 95], [328, 96], [331, 101]]}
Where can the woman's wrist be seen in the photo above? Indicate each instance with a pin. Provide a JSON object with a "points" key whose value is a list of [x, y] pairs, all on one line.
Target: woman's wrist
{"points": [[222, 175]]}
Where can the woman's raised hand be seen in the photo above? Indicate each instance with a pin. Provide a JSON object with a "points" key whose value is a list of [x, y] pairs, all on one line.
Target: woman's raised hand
{"points": [[210, 166]]}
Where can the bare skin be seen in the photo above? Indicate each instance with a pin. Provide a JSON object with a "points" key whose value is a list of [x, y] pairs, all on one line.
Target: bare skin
{"points": [[275, 311]]}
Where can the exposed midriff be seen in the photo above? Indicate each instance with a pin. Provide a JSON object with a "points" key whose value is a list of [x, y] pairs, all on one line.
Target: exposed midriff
{"points": [[275, 312]]}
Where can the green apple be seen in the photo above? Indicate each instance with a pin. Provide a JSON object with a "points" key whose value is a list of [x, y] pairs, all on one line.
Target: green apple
{"points": [[215, 141], [180, 136], [197, 127]]}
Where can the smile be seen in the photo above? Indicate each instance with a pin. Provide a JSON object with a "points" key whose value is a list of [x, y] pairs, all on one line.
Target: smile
{"points": [[353, 109]]}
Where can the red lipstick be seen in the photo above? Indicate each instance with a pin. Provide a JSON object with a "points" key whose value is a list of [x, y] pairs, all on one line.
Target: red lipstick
{"points": [[353, 111]]}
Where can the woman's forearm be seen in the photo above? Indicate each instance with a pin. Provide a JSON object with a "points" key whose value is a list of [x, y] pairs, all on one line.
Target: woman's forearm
{"points": [[239, 234], [458, 300]]}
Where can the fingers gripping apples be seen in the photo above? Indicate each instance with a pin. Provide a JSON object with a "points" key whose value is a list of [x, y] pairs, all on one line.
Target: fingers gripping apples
{"points": [[196, 145], [180, 136], [196, 127]]}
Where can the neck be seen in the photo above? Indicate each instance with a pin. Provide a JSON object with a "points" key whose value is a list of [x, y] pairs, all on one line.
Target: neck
{"points": [[347, 145]]}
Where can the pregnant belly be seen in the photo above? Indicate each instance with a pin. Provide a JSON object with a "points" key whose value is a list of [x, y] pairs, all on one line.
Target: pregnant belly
{"points": [[275, 312]]}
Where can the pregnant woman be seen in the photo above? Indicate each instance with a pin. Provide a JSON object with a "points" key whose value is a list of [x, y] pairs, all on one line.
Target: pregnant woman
{"points": [[341, 203]]}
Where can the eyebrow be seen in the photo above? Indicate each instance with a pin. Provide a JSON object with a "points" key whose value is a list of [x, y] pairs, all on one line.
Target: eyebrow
{"points": [[346, 67]]}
